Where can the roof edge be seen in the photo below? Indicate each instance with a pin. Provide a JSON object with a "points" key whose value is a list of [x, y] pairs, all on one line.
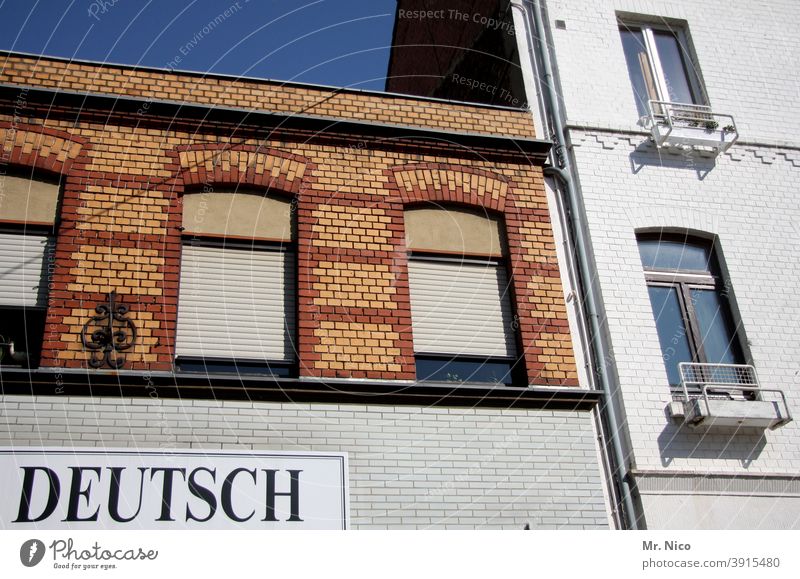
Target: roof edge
{"points": [[233, 77], [535, 149]]}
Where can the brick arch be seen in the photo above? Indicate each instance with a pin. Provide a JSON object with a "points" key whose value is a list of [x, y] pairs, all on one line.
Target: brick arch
{"points": [[39, 147], [451, 183], [241, 164]]}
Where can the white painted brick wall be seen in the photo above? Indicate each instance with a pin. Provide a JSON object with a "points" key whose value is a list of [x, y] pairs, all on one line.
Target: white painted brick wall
{"points": [[410, 467], [752, 207], [748, 197], [746, 52]]}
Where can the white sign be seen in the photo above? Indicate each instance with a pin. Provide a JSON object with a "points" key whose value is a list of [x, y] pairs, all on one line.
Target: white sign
{"points": [[57, 488]]}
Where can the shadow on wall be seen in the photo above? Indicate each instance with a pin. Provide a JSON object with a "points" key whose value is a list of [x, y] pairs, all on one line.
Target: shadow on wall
{"points": [[680, 441], [646, 154]]}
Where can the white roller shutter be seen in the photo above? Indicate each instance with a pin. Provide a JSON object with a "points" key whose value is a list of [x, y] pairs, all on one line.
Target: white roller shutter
{"points": [[236, 303], [22, 277], [460, 308]]}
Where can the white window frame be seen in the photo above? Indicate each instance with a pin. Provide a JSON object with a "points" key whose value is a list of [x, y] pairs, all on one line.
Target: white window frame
{"points": [[656, 69]]}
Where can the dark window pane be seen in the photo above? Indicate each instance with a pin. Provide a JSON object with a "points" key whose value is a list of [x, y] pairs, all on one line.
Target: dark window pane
{"points": [[639, 68], [24, 328], [674, 255], [673, 66], [718, 335], [671, 330], [461, 370], [232, 367]]}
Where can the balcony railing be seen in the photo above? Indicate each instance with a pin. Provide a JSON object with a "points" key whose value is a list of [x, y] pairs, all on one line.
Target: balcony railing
{"points": [[730, 395], [720, 378], [689, 124]]}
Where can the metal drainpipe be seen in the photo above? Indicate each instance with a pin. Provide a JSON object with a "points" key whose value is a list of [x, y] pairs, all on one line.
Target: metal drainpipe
{"points": [[580, 234]]}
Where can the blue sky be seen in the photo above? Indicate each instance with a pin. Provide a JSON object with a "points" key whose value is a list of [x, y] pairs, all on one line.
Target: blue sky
{"points": [[332, 42]]}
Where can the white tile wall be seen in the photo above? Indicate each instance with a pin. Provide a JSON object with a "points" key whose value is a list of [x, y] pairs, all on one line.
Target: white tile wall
{"points": [[752, 207], [746, 51], [410, 467], [748, 197]]}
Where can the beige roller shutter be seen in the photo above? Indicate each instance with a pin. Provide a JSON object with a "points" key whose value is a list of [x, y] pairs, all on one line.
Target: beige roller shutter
{"points": [[236, 303], [23, 279], [460, 308]]}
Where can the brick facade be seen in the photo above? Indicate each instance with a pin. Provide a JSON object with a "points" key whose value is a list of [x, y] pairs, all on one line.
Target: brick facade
{"points": [[420, 456], [220, 91], [121, 211]]}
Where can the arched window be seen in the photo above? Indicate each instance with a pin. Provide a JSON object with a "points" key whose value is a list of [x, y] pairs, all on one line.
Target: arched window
{"points": [[28, 211], [461, 306], [690, 300], [236, 308]]}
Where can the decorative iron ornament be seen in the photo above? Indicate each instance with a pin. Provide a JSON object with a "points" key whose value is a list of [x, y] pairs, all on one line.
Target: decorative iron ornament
{"points": [[108, 333]]}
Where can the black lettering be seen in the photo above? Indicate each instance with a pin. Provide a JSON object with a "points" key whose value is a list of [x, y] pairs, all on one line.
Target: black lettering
{"points": [[75, 493], [227, 504], [113, 494], [166, 491], [53, 493], [202, 492], [294, 494]]}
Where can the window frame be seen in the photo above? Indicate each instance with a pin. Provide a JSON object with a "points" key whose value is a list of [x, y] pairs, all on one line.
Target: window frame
{"points": [[517, 373], [690, 66], [42, 229], [192, 364], [686, 280], [37, 339], [514, 371]]}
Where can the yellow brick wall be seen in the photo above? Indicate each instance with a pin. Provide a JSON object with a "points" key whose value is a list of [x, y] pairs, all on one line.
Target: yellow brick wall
{"points": [[121, 215], [262, 95]]}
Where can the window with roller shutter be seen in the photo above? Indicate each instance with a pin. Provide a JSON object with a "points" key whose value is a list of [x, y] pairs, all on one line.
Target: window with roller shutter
{"points": [[236, 307], [28, 210], [461, 298]]}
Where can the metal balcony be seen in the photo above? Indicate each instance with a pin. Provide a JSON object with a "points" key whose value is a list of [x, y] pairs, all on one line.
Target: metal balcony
{"points": [[729, 395], [688, 124]]}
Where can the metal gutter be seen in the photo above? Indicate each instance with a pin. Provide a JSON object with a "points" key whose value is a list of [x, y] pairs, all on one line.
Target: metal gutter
{"points": [[564, 173]]}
